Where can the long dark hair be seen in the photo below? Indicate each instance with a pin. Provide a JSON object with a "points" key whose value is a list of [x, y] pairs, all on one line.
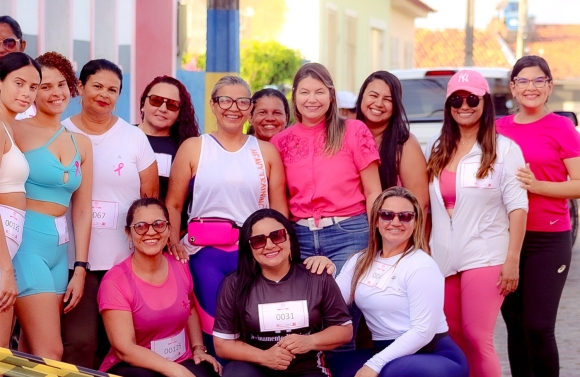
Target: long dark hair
{"points": [[444, 147], [14, 61], [397, 132], [248, 270], [186, 124]]}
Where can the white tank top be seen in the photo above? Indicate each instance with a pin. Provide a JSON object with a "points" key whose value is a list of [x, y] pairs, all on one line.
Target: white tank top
{"points": [[230, 185], [14, 169]]}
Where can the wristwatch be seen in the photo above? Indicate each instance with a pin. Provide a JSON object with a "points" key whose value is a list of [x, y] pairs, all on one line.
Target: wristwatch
{"points": [[84, 265], [200, 347]]}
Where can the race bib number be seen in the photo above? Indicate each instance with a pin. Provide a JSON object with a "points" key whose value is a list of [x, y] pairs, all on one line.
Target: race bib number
{"points": [[163, 164], [286, 315], [379, 275], [13, 223], [171, 348], [62, 229], [491, 181], [105, 214]]}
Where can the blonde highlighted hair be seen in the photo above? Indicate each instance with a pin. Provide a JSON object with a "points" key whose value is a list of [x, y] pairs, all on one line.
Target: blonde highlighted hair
{"points": [[416, 241], [334, 124]]}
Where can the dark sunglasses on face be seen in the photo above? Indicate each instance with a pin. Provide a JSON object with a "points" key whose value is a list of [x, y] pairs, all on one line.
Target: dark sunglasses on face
{"points": [[404, 217], [225, 102], [9, 43], [142, 227], [157, 101], [259, 241], [457, 101]]}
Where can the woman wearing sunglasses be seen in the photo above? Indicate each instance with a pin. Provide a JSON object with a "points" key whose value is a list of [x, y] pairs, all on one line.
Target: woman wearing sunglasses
{"points": [[20, 77], [274, 317], [60, 175], [124, 170], [551, 148], [479, 216], [168, 119], [400, 290], [147, 305], [380, 107], [228, 175]]}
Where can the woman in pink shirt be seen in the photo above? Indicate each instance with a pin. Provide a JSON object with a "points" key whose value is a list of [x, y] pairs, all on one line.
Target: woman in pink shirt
{"points": [[551, 148], [147, 304], [331, 170]]}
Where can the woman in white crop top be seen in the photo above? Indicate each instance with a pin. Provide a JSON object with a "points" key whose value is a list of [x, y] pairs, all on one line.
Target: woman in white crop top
{"points": [[19, 80], [230, 175]]}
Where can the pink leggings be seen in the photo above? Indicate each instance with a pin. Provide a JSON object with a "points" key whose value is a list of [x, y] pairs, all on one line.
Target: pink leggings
{"points": [[472, 304]]}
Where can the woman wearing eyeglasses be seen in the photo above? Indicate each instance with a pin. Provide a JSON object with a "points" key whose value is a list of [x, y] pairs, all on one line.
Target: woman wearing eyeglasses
{"points": [[20, 77], [147, 305], [479, 216], [228, 175], [400, 291], [274, 317], [551, 148], [124, 170], [168, 119]]}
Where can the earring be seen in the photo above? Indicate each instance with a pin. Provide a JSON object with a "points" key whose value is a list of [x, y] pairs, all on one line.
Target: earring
{"points": [[115, 108], [131, 246], [81, 100]]}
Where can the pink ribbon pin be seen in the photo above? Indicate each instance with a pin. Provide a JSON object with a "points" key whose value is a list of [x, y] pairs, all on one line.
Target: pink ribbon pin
{"points": [[77, 170], [119, 167]]}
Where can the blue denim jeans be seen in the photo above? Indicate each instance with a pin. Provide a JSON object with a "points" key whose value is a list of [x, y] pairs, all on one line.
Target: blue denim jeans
{"points": [[337, 242]]}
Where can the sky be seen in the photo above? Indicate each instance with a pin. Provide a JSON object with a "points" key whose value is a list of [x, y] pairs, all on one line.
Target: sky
{"points": [[451, 14]]}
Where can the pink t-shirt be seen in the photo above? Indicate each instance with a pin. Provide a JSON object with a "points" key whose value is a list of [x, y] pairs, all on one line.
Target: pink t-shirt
{"points": [[322, 185], [159, 311], [545, 143], [447, 183]]}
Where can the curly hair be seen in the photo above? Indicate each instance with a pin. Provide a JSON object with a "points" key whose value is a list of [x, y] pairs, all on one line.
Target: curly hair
{"points": [[186, 124], [57, 61]]}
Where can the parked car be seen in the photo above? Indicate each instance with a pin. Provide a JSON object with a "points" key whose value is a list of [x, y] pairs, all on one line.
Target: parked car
{"points": [[424, 92]]}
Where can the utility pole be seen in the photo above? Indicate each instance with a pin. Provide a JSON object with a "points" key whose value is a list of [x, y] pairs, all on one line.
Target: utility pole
{"points": [[522, 26], [469, 34]]}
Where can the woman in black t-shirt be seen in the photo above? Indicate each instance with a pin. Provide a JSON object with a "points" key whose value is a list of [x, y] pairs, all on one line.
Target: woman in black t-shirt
{"points": [[274, 317], [168, 119]]}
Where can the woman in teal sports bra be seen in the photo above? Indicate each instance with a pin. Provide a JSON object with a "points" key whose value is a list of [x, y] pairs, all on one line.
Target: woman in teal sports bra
{"points": [[19, 80], [60, 172]]}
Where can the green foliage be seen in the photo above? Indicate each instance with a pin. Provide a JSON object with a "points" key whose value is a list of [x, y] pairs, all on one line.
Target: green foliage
{"points": [[268, 63], [193, 62]]}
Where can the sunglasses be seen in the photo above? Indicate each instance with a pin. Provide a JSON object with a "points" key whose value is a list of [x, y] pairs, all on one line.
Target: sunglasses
{"points": [[9, 43], [142, 227], [225, 102], [404, 217], [457, 101], [157, 101], [259, 241]]}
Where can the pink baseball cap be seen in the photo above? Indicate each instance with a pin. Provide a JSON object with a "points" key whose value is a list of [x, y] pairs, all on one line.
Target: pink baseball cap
{"points": [[467, 80]]}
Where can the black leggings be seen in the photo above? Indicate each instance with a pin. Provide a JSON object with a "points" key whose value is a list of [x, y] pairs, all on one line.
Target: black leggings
{"points": [[126, 370], [530, 312]]}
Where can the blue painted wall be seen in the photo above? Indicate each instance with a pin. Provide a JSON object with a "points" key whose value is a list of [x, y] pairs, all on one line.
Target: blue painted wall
{"points": [[195, 84]]}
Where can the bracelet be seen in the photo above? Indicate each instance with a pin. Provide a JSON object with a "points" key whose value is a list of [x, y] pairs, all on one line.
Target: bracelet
{"points": [[199, 347]]}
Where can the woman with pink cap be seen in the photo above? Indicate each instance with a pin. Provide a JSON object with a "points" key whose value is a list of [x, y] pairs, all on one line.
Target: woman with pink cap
{"points": [[479, 216]]}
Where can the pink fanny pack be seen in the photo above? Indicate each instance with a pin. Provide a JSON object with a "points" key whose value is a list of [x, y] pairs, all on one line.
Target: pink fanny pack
{"points": [[212, 231]]}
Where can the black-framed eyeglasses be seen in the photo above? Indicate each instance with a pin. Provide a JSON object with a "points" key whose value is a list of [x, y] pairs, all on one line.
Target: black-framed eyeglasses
{"points": [[9, 43], [457, 101], [539, 82], [259, 241], [388, 216], [157, 101], [142, 227], [226, 102]]}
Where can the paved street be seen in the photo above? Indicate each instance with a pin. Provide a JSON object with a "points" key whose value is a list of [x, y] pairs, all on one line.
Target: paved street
{"points": [[567, 326]]}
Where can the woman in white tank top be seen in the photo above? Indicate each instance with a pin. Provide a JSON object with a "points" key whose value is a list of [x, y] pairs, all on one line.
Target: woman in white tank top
{"points": [[231, 175], [19, 80]]}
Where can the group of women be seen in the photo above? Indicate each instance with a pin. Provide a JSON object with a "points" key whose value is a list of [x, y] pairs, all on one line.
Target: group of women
{"points": [[254, 213]]}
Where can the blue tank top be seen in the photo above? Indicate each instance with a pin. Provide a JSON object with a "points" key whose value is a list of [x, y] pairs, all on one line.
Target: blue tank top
{"points": [[46, 181]]}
